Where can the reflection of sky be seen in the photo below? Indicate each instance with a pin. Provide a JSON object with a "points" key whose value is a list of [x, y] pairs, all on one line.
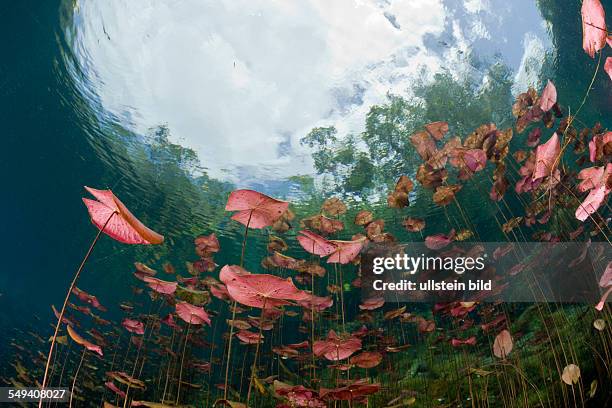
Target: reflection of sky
{"points": [[241, 81]]}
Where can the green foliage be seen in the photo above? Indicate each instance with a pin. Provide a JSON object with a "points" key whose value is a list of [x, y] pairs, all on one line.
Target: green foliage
{"points": [[323, 140], [341, 161], [366, 164], [386, 134], [360, 178]]}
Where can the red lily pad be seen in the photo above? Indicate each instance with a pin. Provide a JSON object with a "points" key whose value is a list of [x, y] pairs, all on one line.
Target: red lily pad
{"points": [[255, 209]]}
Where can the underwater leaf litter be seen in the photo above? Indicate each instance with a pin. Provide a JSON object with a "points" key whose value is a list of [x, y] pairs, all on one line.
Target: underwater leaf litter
{"points": [[294, 332]]}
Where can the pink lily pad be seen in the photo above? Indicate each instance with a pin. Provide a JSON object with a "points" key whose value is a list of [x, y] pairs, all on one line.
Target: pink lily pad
{"points": [[192, 314], [255, 209], [122, 226]]}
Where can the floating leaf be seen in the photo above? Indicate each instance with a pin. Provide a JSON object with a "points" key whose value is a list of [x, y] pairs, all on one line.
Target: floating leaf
{"points": [[375, 228], [439, 241], [206, 245], [444, 195], [87, 298], [322, 224], [151, 404], [603, 299], [333, 207], [315, 244], [372, 303], [336, 347], [480, 372], [437, 129], [363, 217], [76, 337], [424, 145], [534, 137], [255, 209], [546, 157], [511, 224], [283, 223], [346, 251], [248, 337], [594, 177], [599, 324], [263, 290], [413, 224], [160, 286], [571, 374], [121, 224], [591, 203], [600, 147], [464, 234], [430, 177], [318, 303], [425, 326], [502, 346], [194, 296], [133, 326], [169, 268], [192, 314], [298, 395], [471, 341], [367, 359], [593, 389], [277, 244], [475, 159], [593, 26], [111, 386], [392, 314], [358, 388], [397, 199], [549, 97], [126, 379], [404, 185]]}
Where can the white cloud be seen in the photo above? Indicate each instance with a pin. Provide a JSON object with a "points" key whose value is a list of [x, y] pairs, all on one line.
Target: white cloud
{"points": [[237, 79], [476, 6], [530, 69], [232, 79]]}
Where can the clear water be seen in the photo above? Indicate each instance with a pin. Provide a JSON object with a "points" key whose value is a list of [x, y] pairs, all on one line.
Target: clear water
{"points": [[174, 105]]}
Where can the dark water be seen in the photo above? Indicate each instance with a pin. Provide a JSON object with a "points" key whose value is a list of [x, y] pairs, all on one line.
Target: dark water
{"points": [[58, 136]]}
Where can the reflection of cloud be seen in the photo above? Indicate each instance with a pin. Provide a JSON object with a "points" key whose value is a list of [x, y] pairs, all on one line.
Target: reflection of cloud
{"points": [[241, 81], [528, 74], [476, 6]]}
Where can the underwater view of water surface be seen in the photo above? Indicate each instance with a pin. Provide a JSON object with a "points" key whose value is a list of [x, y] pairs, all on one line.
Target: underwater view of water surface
{"points": [[254, 203]]}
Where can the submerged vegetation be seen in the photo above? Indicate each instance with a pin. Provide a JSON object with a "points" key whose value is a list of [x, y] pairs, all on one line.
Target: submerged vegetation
{"points": [[294, 331]]}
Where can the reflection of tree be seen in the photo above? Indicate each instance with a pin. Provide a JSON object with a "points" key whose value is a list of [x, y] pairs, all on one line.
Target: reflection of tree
{"points": [[365, 164], [162, 150], [340, 160], [324, 140], [180, 195]]}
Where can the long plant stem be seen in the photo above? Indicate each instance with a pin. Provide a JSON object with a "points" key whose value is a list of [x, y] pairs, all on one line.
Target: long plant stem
{"points": [[61, 315], [178, 391], [231, 334], [254, 367], [170, 359], [76, 375]]}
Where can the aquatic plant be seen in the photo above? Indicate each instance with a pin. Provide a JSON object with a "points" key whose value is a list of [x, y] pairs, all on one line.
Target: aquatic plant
{"points": [[113, 218], [311, 340]]}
